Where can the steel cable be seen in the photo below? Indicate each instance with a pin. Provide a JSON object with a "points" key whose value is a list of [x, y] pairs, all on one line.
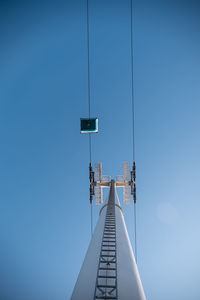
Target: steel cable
{"points": [[89, 108], [133, 120]]}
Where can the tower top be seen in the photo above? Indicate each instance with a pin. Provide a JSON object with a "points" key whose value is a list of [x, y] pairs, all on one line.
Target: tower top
{"points": [[99, 181]]}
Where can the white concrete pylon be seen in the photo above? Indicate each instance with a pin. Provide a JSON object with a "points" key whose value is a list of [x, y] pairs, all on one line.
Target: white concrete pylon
{"points": [[109, 270]]}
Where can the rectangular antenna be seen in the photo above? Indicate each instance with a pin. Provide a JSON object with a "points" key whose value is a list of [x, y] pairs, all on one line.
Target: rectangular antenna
{"points": [[120, 178], [127, 194], [105, 178], [127, 171], [98, 192], [98, 172]]}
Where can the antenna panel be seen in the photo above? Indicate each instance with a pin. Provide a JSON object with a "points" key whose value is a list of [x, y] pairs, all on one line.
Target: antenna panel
{"points": [[105, 178], [120, 178], [98, 172], [127, 194], [98, 192], [127, 171]]}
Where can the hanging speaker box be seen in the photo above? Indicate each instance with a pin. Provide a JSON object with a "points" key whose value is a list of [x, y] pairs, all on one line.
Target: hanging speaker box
{"points": [[89, 125]]}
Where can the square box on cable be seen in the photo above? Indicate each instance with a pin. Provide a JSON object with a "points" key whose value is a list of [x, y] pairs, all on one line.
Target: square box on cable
{"points": [[89, 125]]}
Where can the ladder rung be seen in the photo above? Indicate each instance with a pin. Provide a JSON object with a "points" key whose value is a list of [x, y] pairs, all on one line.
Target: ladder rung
{"points": [[108, 276], [109, 233], [108, 250], [105, 297], [107, 269], [110, 222], [106, 286], [108, 262], [109, 241], [113, 241]]}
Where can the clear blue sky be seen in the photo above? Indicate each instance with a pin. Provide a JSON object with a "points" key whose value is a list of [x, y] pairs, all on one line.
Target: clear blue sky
{"points": [[44, 206]]}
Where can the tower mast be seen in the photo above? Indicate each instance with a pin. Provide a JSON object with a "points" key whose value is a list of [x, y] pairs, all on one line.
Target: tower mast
{"points": [[109, 270]]}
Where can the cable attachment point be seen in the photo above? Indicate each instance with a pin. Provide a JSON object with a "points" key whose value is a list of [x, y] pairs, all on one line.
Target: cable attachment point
{"points": [[132, 183], [134, 193], [91, 177], [134, 171]]}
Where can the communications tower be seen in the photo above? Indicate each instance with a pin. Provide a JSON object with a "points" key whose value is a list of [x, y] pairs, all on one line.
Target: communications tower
{"points": [[109, 270]]}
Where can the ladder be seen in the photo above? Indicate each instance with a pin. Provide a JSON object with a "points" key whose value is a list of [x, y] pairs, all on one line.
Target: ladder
{"points": [[106, 282]]}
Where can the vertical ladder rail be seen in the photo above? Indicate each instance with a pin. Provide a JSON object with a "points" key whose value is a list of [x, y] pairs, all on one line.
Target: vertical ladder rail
{"points": [[106, 282]]}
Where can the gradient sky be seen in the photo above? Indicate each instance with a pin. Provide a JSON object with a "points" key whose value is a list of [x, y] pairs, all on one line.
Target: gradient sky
{"points": [[44, 199]]}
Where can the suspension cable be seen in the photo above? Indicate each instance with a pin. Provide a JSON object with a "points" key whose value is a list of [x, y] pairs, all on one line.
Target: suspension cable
{"points": [[89, 108], [133, 123], [91, 217], [132, 83], [88, 66], [88, 54], [135, 227]]}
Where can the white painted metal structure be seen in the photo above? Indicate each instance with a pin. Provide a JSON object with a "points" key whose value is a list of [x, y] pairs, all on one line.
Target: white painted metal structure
{"points": [[109, 270]]}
